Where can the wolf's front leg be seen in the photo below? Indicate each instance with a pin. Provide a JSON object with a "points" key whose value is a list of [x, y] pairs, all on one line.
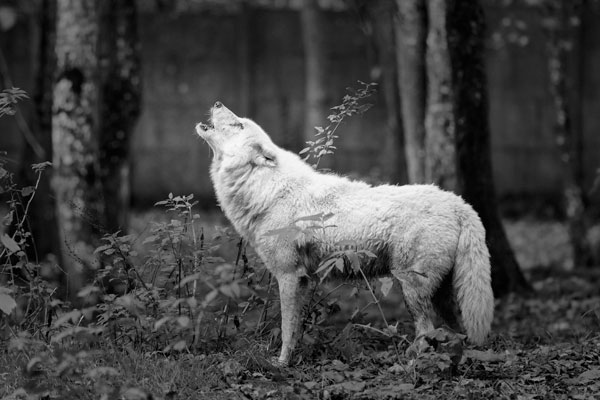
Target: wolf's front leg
{"points": [[291, 295]]}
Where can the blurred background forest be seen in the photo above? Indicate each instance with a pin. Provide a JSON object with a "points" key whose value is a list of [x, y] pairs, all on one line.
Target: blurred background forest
{"points": [[116, 88], [496, 100]]}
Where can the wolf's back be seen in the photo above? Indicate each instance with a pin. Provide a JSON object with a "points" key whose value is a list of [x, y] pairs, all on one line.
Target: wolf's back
{"points": [[472, 279]]}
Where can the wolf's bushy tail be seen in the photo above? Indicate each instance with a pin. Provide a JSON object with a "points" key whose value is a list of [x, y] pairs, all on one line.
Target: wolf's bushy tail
{"points": [[472, 279]]}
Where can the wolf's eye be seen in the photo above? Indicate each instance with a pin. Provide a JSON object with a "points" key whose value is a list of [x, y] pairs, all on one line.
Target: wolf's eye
{"points": [[238, 125]]}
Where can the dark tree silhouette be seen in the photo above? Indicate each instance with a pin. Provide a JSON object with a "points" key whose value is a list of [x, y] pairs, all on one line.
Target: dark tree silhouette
{"points": [[121, 104], [444, 96], [42, 214], [466, 27]]}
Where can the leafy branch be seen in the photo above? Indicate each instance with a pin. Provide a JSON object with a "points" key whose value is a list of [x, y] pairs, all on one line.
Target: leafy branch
{"points": [[325, 136], [8, 100]]}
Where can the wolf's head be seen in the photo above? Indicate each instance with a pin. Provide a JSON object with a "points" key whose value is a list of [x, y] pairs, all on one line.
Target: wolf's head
{"points": [[237, 142]]}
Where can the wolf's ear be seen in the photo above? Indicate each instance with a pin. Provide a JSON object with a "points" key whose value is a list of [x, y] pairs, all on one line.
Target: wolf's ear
{"points": [[263, 157]]}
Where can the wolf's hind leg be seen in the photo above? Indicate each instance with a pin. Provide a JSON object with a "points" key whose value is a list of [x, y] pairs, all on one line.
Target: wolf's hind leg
{"points": [[444, 302], [418, 289], [419, 305]]}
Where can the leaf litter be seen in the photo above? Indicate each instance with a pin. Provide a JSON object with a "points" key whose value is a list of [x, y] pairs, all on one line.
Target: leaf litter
{"points": [[543, 346]]}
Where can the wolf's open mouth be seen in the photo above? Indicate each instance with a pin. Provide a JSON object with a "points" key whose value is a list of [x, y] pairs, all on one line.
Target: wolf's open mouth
{"points": [[206, 127]]}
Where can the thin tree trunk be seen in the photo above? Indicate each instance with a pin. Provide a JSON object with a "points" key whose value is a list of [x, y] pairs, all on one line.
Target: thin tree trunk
{"points": [[42, 215], [380, 16], [315, 72], [440, 164], [466, 25], [74, 138], [410, 33], [121, 104], [567, 136]]}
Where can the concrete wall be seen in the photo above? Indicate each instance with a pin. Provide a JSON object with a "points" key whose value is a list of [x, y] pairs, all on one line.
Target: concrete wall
{"points": [[253, 63]]}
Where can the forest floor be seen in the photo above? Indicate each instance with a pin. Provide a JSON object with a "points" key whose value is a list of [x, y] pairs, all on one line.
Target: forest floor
{"points": [[545, 345]]}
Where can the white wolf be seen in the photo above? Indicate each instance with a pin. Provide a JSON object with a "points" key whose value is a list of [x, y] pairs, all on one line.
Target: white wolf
{"points": [[431, 233]]}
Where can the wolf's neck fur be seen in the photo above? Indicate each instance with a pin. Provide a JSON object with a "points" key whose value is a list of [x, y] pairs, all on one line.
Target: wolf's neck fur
{"points": [[247, 192]]}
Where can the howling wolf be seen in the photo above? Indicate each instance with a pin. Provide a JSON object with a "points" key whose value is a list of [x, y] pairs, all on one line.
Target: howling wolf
{"points": [[429, 239]]}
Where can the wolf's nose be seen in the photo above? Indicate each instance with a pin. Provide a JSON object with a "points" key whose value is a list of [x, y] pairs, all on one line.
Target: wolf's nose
{"points": [[218, 104]]}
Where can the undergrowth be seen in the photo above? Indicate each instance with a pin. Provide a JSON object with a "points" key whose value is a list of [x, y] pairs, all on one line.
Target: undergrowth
{"points": [[175, 313], [168, 294]]}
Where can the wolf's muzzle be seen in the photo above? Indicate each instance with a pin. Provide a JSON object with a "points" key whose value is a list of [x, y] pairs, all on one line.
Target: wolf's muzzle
{"points": [[202, 126]]}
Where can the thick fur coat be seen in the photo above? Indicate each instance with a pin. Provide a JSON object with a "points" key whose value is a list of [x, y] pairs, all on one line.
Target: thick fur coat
{"points": [[429, 239]]}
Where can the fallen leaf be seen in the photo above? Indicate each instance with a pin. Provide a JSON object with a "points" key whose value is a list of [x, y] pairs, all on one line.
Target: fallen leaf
{"points": [[589, 375], [311, 385], [354, 386], [485, 356]]}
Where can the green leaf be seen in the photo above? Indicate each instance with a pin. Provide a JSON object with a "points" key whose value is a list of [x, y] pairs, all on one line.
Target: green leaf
{"points": [[364, 108], [10, 244], [354, 260], [88, 290], [150, 239], [161, 322], [314, 217], [7, 303], [232, 290], [179, 346], [71, 316], [368, 253], [102, 248], [287, 233], [189, 278], [386, 285], [326, 264], [183, 321], [339, 264], [211, 296]]}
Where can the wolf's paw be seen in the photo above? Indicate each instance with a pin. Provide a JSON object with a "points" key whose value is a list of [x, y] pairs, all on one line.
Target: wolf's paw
{"points": [[278, 363], [419, 346]]}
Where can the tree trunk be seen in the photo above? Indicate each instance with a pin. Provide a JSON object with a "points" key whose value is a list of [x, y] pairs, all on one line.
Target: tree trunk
{"points": [[410, 52], [121, 104], [42, 215], [378, 17], [466, 24], [568, 137], [315, 64], [74, 138], [440, 164]]}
